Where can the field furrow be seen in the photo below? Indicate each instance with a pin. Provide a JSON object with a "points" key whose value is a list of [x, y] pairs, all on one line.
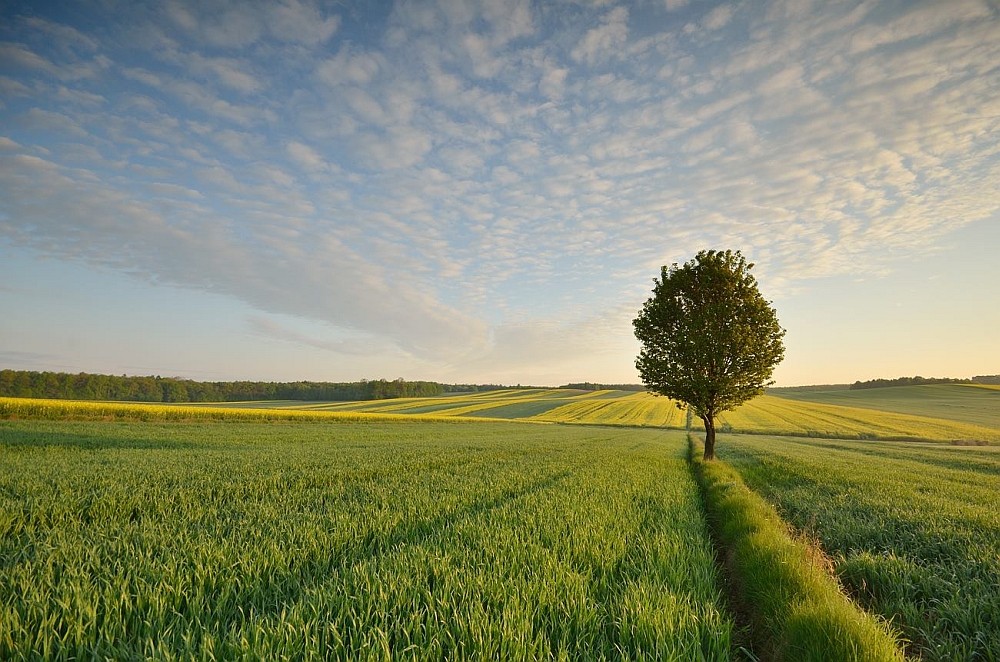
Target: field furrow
{"points": [[913, 529]]}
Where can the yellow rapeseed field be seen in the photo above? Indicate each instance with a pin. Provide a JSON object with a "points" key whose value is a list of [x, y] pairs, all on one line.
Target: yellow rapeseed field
{"points": [[28, 408], [766, 414]]}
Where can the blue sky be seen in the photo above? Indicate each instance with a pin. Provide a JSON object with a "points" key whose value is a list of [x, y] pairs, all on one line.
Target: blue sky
{"points": [[484, 191]]}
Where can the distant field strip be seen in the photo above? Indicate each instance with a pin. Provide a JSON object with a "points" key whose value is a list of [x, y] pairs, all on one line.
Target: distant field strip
{"points": [[776, 415], [977, 404], [26, 408], [772, 415], [914, 529], [764, 415], [367, 540], [517, 403], [641, 409]]}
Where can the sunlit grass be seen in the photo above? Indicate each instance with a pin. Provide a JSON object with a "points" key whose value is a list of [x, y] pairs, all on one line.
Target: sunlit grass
{"points": [[796, 609], [169, 540], [978, 404], [636, 409], [914, 530], [775, 415]]}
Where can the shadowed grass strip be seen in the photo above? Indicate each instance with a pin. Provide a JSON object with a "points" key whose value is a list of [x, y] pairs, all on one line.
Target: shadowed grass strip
{"points": [[795, 608]]}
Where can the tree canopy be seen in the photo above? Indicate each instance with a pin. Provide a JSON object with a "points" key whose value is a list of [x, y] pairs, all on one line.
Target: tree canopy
{"points": [[709, 339]]}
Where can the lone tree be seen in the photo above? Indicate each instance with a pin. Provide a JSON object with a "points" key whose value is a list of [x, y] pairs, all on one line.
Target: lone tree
{"points": [[709, 339]]}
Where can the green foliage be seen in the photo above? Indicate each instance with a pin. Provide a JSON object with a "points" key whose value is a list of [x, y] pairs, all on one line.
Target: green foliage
{"points": [[906, 381], [913, 530], [709, 339], [84, 386], [592, 386], [352, 541], [795, 607]]}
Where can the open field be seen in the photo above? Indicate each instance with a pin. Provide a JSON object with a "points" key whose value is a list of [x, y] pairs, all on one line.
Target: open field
{"points": [[505, 404], [969, 414], [781, 582], [29, 408], [913, 529], [270, 540], [978, 404], [641, 409], [774, 415], [166, 531]]}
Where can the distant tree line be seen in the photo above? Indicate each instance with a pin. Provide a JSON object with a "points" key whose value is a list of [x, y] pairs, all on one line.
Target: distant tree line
{"points": [[591, 386], [85, 386], [921, 381]]}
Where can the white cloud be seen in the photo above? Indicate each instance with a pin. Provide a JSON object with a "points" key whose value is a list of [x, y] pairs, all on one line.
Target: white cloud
{"points": [[397, 147], [300, 21], [16, 55], [306, 157], [63, 35], [101, 225], [365, 106], [553, 82], [143, 76], [79, 97], [603, 41], [471, 152], [57, 123], [509, 20], [355, 346], [201, 97], [484, 63], [233, 24], [349, 67], [229, 72], [719, 17], [920, 21]]}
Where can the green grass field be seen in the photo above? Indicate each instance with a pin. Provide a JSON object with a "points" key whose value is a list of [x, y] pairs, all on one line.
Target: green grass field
{"points": [[977, 404], [913, 529], [382, 540], [419, 528], [781, 582], [783, 416]]}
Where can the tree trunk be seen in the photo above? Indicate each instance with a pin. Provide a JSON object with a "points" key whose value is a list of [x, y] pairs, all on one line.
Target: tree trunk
{"points": [[709, 421]]}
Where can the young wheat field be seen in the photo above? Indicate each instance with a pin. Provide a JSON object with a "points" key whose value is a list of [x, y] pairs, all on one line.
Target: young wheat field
{"points": [[429, 528], [382, 540], [913, 529]]}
